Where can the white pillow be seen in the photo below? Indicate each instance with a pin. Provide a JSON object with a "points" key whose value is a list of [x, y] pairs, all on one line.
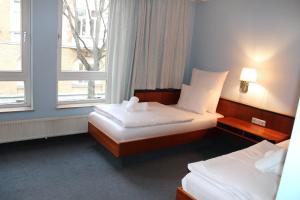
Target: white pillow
{"points": [[272, 161], [210, 81], [193, 100], [284, 144]]}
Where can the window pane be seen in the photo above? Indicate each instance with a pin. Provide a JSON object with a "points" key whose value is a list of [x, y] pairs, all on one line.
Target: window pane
{"points": [[12, 92], [10, 35], [81, 33], [81, 90]]}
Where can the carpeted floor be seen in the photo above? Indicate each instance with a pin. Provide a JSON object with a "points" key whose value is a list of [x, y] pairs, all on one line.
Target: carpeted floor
{"points": [[76, 167]]}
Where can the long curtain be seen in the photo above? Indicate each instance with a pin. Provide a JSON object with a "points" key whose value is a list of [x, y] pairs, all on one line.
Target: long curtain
{"points": [[121, 44], [149, 44], [162, 45]]}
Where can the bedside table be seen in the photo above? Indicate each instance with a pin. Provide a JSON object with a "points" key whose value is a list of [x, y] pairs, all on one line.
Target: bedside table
{"points": [[249, 131]]}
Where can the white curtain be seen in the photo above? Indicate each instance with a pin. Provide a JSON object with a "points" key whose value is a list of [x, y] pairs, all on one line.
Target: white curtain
{"points": [[149, 44], [162, 46], [121, 43]]}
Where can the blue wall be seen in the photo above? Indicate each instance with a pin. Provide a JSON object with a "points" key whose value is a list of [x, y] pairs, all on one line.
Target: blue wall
{"points": [[44, 63], [264, 34]]}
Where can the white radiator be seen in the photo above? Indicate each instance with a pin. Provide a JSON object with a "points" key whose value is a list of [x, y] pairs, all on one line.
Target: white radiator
{"points": [[11, 131]]}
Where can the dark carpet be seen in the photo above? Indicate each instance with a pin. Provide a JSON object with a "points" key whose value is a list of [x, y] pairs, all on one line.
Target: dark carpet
{"points": [[76, 167]]}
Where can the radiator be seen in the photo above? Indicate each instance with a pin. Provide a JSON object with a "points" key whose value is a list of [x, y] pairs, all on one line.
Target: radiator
{"points": [[12, 131]]}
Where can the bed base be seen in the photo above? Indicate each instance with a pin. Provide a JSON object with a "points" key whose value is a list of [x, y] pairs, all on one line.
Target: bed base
{"points": [[139, 146], [183, 195]]}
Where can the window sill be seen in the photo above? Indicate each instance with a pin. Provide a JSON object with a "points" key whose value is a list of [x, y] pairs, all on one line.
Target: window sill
{"points": [[16, 109], [78, 105]]}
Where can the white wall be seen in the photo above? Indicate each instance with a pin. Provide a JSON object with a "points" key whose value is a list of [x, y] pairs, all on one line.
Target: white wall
{"points": [[289, 187], [264, 34]]}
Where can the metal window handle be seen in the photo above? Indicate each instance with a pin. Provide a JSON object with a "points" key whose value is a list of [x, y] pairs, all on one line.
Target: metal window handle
{"points": [[24, 36]]}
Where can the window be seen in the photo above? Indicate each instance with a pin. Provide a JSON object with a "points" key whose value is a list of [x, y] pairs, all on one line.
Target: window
{"points": [[15, 90], [82, 70]]}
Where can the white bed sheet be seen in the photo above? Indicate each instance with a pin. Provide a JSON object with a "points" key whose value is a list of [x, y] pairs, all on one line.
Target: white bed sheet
{"points": [[121, 134], [232, 176], [156, 114]]}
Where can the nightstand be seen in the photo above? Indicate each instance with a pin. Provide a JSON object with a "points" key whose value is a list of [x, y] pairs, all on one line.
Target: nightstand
{"points": [[249, 131]]}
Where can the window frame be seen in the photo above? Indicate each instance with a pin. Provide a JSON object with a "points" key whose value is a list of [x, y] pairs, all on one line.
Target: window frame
{"points": [[25, 73], [76, 76]]}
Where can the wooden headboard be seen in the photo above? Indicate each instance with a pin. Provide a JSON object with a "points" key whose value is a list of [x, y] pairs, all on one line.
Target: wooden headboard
{"points": [[228, 108]]}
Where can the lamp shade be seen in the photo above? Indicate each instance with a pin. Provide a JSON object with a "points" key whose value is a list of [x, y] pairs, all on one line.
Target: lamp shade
{"points": [[248, 75]]}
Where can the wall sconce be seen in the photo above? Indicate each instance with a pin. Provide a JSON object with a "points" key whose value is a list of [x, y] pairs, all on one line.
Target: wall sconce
{"points": [[248, 75]]}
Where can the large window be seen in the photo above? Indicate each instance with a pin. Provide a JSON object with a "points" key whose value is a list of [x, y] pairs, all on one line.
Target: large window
{"points": [[15, 54], [82, 73]]}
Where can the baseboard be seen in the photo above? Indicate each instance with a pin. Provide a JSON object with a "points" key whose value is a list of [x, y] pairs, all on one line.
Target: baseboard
{"points": [[12, 131]]}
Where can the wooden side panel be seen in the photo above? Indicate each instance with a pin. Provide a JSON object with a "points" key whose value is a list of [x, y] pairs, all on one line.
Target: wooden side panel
{"points": [[167, 97], [274, 121], [139, 146], [103, 139], [182, 195]]}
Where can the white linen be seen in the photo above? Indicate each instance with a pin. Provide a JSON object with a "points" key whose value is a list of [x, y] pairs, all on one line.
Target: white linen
{"points": [[203, 188], [191, 100], [135, 107], [213, 81], [272, 161], [157, 114], [284, 144], [234, 174], [131, 104], [121, 134]]}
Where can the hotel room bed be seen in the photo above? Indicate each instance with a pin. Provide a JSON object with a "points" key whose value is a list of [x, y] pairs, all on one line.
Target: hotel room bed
{"points": [[232, 176], [122, 134], [122, 141]]}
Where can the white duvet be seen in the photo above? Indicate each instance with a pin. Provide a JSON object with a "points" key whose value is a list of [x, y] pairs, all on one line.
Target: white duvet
{"points": [[234, 175], [156, 114]]}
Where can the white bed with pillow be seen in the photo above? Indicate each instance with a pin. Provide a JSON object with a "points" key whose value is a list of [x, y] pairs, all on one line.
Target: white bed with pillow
{"points": [[252, 173], [195, 111], [125, 134]]}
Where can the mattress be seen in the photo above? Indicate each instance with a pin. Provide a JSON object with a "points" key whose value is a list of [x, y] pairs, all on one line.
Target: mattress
{"points": [[232, 176], [121, 134]]}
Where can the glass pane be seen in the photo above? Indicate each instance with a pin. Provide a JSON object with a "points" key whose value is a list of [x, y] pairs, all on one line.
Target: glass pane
{"points": [[81, 90], [10, 35], [12, 92], [84, 36]]}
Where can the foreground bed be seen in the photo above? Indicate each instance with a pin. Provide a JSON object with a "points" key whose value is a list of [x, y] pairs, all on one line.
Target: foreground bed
{"points": [[122, 141], [232, 176]]}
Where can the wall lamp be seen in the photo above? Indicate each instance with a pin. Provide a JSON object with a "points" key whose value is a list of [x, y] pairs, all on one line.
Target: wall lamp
{"points": [[248, 75]]}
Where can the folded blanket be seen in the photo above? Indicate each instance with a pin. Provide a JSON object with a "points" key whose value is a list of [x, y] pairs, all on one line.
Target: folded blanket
{"points": [[156, 114]]}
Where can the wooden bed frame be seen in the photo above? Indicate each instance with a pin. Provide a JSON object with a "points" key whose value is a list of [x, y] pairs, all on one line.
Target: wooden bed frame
{"points": [[170, 96], [183, 195], [149, 144]]}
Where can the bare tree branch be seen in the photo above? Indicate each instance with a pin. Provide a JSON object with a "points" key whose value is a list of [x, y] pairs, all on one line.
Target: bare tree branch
{"points": [[76, 38], [97, 25]]}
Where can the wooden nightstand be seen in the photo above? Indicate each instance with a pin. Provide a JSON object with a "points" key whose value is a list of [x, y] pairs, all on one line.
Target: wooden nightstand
{"points": [[249, 131]]}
